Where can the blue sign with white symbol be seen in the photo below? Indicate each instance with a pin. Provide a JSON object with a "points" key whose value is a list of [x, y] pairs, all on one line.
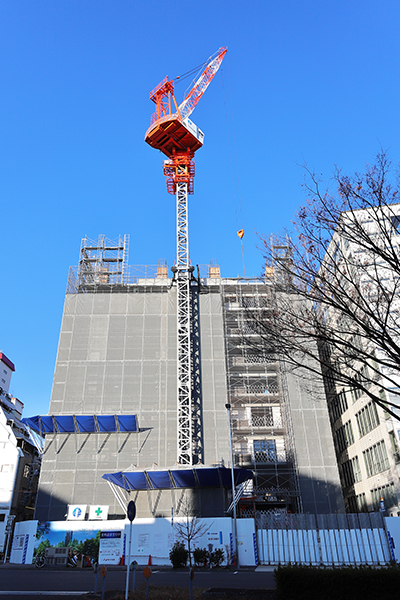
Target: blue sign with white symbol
{"points": [[76, 512]]}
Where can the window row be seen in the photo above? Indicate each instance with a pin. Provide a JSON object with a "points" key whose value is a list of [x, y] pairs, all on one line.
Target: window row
{"points": [[387, 492], [363, 379], [376, 459], [367, 419], [344, 437], [338, 406], [350, 472], [357, 503]]}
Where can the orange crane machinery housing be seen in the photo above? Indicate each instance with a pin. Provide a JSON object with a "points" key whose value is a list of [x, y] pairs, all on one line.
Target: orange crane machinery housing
{"points": [[179, 138]]}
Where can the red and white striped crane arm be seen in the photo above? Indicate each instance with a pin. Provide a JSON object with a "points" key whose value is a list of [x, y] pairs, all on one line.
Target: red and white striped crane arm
{"points": [[189, 103]]}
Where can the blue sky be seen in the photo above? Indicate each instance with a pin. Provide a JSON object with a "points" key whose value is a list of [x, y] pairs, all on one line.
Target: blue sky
{"points": [[303, 82]]}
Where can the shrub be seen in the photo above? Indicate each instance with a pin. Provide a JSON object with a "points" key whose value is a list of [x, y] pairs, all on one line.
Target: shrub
{"points": [[300, 582], [200, 556], [216, 557], [178, 555]]}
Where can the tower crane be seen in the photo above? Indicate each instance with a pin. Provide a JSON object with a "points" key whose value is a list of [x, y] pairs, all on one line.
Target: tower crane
{"points": [[179, 138]]}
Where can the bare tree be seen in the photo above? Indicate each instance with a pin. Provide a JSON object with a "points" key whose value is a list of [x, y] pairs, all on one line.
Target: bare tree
{"points": [[191, 527], [336, 285]]}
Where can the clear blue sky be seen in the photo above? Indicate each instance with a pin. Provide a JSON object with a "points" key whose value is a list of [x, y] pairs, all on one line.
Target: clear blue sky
{"points": [[308, 81]]}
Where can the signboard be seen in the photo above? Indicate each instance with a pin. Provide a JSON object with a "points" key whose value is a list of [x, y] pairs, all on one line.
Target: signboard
{"points": [[98, 513], [110, 550], [10, 520], [131, 511], [76, 512]]}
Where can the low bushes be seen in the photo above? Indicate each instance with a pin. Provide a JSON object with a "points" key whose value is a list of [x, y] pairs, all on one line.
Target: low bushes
{"points": [[178, 555], [300, 582]]}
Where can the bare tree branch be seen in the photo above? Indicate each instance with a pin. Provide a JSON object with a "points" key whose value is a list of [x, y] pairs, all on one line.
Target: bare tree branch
{"points": [[336, 287]]}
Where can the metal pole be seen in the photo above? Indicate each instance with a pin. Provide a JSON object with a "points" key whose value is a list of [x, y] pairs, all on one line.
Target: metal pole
{"points": [[129, 563], [228, 407]]}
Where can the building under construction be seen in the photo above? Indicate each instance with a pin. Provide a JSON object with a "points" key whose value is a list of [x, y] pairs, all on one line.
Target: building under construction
{"points": [[155, 365], [114, 409]]}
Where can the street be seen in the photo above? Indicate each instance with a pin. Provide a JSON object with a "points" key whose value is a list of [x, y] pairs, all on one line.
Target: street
{"points": [[16, 579]]}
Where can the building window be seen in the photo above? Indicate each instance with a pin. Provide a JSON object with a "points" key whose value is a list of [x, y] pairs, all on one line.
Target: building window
{"points": [[363, 378], [2, 517], [387, 492], [376, 459], [344, 437], [350, 472], [396, 222], [338, 406], [367, 419], [393, 394], [357, 503], [264, 450]]}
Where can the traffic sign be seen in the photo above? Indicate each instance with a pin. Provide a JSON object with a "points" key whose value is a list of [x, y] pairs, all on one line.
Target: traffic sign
{"points": [[10, 520], [147, 572], [131, 511]]}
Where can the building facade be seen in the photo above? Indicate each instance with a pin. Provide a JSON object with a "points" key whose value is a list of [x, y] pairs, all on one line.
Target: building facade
{"points": [[117, 357], [20, 459], [367, 436]]}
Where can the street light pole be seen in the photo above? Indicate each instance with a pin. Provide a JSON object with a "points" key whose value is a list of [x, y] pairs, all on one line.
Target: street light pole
{"points": [[228, 408]]}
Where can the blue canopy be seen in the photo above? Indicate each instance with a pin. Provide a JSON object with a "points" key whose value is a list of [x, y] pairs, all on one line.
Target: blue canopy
{"points": [[81, 423], [196, 477]]}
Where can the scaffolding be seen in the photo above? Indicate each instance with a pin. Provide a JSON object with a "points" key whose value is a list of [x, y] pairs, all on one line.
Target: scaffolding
{"points": [[102, 262], [261, 424]]}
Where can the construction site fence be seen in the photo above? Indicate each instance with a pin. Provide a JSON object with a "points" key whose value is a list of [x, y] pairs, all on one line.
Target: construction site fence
{"points": [[327, 539]]}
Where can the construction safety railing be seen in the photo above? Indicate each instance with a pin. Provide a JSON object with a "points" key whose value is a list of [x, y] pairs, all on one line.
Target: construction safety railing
{"points": [[83, 280], [260, 457]]}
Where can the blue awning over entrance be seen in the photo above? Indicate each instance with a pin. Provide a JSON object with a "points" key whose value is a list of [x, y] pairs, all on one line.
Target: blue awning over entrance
{"points": [[82, 423], [167, 479]]}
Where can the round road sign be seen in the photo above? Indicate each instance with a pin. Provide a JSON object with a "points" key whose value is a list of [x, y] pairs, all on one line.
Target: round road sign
{"points": [[131, 511], [147, 572]]}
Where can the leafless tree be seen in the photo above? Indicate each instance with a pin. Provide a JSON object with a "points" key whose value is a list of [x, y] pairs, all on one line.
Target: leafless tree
{"points": [[335, 286], [191, 527]]}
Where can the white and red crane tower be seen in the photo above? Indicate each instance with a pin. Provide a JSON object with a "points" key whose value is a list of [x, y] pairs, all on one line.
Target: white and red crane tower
{"points": [[179, 138]]}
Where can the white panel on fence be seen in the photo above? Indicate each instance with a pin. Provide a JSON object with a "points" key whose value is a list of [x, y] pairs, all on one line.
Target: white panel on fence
{"points": [[344, 551], [285, 544], [354, 555], [372, 546], [304, 549], [336, 546], [273, 546], [361, 546], [314, 547], [325, 556], [384, 546], [366, 546], [378, 546], [295, 545]]}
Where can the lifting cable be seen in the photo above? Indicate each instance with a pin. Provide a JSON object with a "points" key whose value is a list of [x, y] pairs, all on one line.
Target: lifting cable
{"points": [[234, 167]]}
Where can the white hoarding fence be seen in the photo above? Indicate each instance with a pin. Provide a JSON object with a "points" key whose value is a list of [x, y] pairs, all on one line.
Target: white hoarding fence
{"points": [[331, 539]]}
